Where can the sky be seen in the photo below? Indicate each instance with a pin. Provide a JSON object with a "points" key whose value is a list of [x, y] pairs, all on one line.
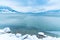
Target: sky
{"points": [[31, 5]]}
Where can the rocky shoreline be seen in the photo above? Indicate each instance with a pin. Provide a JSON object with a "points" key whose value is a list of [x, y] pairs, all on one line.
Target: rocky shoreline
{"points": [[5, 34]]}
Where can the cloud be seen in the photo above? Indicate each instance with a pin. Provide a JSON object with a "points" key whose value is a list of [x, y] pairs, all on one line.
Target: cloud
{"points": [[38, 5], [53, 5], [31, 2], [32, 5]]}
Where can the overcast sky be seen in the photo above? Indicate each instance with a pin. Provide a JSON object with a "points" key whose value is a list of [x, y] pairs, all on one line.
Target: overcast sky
{"points": [[31, 5]]}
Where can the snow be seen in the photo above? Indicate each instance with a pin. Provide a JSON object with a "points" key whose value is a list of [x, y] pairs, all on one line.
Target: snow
{"points": [[6, 35]]}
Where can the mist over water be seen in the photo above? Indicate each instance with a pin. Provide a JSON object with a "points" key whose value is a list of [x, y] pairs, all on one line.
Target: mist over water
{"points": [[29, 23]]}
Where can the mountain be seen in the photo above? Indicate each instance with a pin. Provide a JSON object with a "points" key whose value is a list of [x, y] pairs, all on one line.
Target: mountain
{"points": [[49, 13], [6, 9]]}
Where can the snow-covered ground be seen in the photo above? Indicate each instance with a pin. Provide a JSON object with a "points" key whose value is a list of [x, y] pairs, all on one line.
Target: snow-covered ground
{"points": [[5, 34]]}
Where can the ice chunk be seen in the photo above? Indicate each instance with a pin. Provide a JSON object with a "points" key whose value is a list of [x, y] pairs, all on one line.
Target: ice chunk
{"points": [[41, 33], [18, 35], [24, 36], [34, 37], [7, 30], [1, 31]]}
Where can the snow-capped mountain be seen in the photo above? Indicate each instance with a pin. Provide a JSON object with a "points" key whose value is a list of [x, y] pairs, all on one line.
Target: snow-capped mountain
{"points": [[6, 9]]}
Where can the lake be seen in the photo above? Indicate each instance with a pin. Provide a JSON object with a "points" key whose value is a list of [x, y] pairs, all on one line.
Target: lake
{"points": [[29, 23]]}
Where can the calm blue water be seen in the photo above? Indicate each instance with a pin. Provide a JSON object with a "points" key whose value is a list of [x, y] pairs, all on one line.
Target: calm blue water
{"points": [[29, 23]]}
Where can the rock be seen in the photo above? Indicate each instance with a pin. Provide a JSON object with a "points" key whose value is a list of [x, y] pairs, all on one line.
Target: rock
{"points": [[41, 35], [7, 30], [18, 35], [24, 36]]}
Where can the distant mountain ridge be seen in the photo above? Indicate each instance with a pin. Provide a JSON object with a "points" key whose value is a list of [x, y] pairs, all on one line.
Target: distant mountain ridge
{"points": [[6, 9], [49, 13]]}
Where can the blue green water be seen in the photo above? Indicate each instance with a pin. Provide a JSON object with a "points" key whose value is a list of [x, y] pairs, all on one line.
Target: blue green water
{"points": [[29, 23]]}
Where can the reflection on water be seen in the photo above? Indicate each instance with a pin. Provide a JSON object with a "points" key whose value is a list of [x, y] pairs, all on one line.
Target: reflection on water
{"points": [[28, 23]]}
